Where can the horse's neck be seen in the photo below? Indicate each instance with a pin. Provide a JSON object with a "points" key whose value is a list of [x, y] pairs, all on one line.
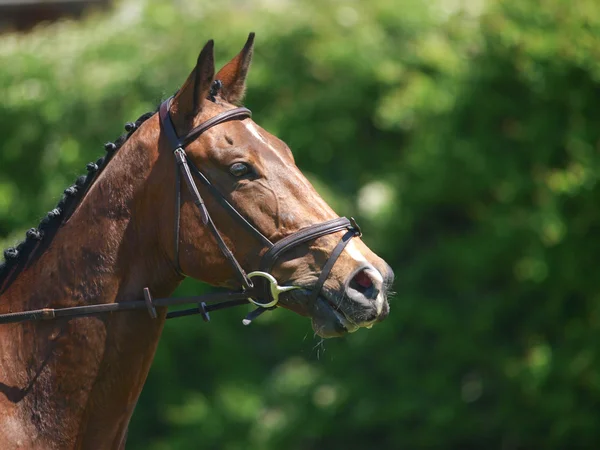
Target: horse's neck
{"points": [[76, 381]]}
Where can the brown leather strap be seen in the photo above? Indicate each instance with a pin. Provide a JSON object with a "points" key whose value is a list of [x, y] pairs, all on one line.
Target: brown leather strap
{"points": [[167, 126], [177, 220], [299, 237], [89, 310], [165, 118], [183, 163], [232, 114], [229, 207], [337, 251]]}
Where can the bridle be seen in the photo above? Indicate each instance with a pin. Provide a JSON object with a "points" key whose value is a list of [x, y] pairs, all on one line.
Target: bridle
{"points": [[258, 287]]}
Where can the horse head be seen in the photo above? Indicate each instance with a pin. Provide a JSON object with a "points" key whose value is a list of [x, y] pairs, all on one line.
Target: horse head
{"points": [[255, 173]]}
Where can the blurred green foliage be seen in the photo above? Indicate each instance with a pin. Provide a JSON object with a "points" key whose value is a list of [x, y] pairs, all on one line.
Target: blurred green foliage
{"points": [[465, 137]]}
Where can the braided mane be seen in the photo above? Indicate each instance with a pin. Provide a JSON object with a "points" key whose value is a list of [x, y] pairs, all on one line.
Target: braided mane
{"points": [[16, 258]]}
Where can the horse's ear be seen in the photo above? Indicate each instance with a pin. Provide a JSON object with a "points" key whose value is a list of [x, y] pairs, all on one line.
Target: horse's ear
{"points": [[233, 74], [187, 103]]}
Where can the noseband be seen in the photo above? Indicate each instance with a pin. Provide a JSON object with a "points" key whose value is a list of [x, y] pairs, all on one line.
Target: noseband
{"points": [[258, 287]]}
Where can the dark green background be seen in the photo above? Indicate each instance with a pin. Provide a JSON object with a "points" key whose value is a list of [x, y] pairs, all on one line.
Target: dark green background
{"points": [[464, 139]]}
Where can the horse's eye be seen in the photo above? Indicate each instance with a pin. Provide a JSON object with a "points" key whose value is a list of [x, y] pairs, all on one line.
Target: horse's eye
{"points": [[239, 169]]}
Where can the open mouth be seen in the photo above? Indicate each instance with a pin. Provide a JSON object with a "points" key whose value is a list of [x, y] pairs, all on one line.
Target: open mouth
{"points": [[328, 319], [342, 321]]}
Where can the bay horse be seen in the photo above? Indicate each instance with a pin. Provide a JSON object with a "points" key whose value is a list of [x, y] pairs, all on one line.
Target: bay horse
{"points": [[123, 238]]}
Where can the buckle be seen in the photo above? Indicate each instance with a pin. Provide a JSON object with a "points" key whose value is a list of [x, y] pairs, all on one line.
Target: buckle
{"points": [[180, 155], [274, 288], [149, 303], [357, 230]]}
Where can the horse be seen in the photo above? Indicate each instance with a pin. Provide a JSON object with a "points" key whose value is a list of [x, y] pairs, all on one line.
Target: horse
{"points": [[194, 189]]}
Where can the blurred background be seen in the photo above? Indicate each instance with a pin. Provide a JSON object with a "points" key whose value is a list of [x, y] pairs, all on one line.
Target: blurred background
{"points": [[463, 134]]}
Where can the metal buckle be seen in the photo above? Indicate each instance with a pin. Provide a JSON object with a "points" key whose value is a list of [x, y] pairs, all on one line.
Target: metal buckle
{"points": [[275, 289], [357, 230]]}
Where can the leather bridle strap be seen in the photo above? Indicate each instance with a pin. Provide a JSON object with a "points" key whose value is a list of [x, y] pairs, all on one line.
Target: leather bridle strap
{"points": [[177, 144], [224, 299], [240, 113], [177, 147], [229, 207], [177, 219], [310, 233], [337, 251], [301, 236]]}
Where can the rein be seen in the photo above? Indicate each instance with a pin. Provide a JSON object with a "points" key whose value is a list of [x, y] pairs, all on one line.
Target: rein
{"points": [[259, 287]]}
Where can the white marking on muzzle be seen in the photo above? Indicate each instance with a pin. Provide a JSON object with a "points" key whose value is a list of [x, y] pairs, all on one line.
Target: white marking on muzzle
{"points": [[355, 253]]}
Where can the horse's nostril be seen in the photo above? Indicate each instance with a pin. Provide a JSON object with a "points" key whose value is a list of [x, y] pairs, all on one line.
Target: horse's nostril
{"points": [[362, 282]]}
